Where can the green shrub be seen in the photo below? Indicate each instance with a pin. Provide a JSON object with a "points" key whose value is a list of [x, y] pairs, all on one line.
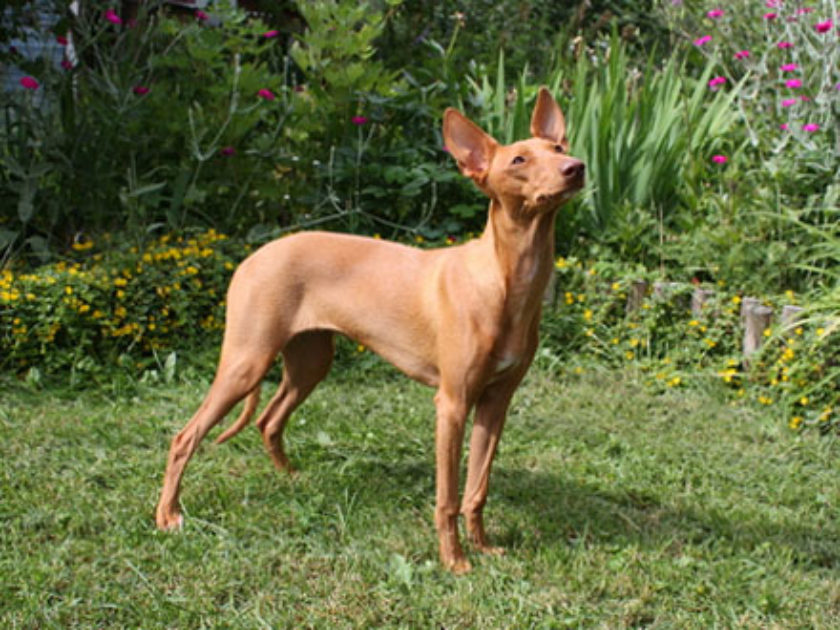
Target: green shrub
{"points": [[113, 307]]}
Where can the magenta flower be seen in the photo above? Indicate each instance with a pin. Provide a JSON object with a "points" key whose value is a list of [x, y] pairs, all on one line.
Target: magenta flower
{"points": [[784, 45], [29, 83], [359, 120], [61, 40], [266, 94], [788, 102], [446, 148], [810, 127], [714, 83], [227, 151], [742, 54], [719, 159], [715, 14], [788, 67], [140, 90], [201, 15], [112, 17], [772, 4], [804, 10], [771, 16], [271, 34], [702, 40], [823, 27], [66, 64], [784, 127], [793, 83]]}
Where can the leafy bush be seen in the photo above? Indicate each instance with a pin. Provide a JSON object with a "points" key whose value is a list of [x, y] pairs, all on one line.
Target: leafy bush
{"points": [[115, 307], [796, 373]]}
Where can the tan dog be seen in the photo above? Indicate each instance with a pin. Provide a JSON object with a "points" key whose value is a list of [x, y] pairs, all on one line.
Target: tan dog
{"points": [[461, 319]]}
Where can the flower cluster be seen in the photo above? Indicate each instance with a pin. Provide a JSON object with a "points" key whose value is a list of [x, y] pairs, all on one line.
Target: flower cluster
{"points": [[136, 302], [677, 346]]}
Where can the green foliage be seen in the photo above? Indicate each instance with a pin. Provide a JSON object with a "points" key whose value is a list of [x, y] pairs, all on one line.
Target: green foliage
{"points": [[116, 309], [143, 119], [796, 373]]}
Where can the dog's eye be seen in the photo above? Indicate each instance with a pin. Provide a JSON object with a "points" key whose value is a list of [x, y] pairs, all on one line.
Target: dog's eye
{"points": [[558, 149], [518, 160]]}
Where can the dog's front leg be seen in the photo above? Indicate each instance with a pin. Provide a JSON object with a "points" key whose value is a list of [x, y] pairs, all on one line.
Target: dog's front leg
{"points": [[490, 412], [449, 434]]}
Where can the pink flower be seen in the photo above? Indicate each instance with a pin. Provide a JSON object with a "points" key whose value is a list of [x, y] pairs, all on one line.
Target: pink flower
{"points": [[61, 39], [804, 10], [29, 83], [201, 15], [784, 45], [784, 127], [140, 90], [227, 151], [703, 40], [788, 102], [810, 127], [446, 148], [719, 159], [788, 67], [793, 83], [358, 120], [714, 14], [714, 83], [804, 98], [112, 17], [823, 27], [266, 94], [772, 4], [66, 64], [837, 86], [742, 54], [271, 34], [771, 16]]}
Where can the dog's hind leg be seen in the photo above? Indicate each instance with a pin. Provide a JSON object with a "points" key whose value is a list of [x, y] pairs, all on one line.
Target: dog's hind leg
{"points": [[234, 380], [307, 358]]}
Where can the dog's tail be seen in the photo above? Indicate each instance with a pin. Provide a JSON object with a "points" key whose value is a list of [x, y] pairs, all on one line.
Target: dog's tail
{"points": [[252, 399]]}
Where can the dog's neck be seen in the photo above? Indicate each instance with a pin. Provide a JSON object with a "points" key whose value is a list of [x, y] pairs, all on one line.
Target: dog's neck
{"points": [[522, 244]]}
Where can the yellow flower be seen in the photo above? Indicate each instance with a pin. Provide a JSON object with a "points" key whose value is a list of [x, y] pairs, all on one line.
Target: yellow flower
{"points": [[710, 342], [120, 282], [795, 422], [587, 315], [674, 382], [360, 348], [68, 290], [736, 299], [570, 299], [765, 400], [81, 246], [693, 323], [616, 286], [767, 332], [803, 401], [578, 370], [629, 355], [560, 263]]}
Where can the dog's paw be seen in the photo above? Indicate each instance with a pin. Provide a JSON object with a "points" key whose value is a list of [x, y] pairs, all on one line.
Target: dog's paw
{"points": [[168, 522]]}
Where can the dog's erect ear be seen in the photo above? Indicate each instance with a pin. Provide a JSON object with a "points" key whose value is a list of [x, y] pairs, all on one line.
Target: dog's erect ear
{"points": [[469, 145], [547, 120]]}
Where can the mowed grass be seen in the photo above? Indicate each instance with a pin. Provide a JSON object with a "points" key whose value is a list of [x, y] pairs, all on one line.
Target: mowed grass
{"points": [[618, 507]]}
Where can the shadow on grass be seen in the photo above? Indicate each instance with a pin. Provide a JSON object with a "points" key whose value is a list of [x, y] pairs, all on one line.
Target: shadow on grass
{"points": [[534, 510]]}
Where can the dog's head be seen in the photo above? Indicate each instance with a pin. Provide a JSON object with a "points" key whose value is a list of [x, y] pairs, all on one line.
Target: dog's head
{"points": [[533, 175]]}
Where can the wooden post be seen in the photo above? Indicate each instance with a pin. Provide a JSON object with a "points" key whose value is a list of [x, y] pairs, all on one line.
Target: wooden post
{"points": [[791, 316], [756, 321], [638, 291], [746, 304], [698, 299]]}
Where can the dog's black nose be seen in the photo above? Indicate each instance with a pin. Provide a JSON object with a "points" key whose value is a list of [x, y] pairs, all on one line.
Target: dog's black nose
{"points": [[573, 168]]}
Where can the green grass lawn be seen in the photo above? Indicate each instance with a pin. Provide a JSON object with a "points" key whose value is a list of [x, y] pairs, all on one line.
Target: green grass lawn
{"points": [[619, 508]]}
